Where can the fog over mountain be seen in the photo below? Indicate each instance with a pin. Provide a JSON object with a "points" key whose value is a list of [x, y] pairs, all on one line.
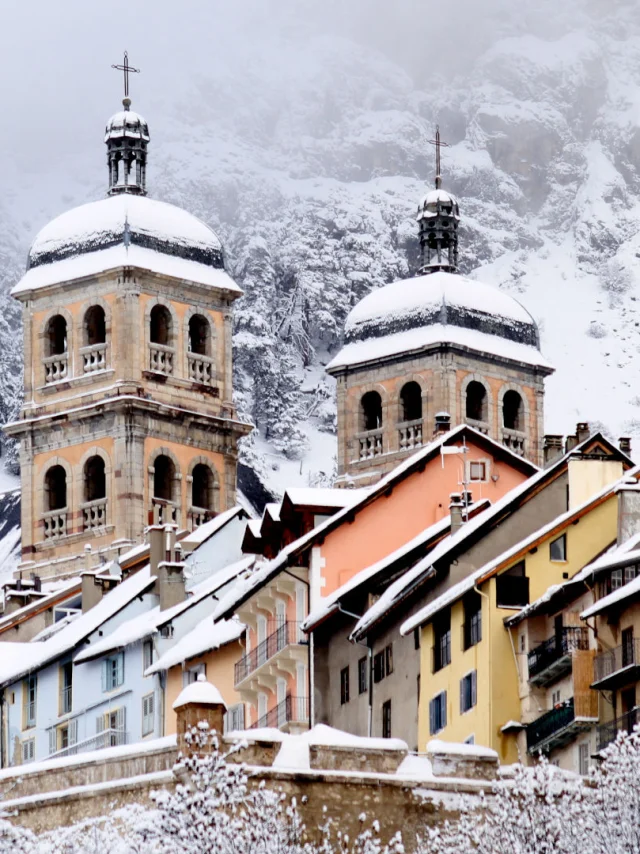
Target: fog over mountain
{"points": [[299, 131]]}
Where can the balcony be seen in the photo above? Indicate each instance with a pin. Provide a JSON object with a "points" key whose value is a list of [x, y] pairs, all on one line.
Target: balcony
{"points": [[514, 440], [480, 426], [164, 512], [161, 359], [617, 667], [107, 738], [556, 728], [94, 514], [292, 710], [94, 358], [56, 368], [55, 524], [369, 444], [198, 516], [512, 591], [607, 733], [202, 369], [552, 659], [410, 435], [287, 635]]}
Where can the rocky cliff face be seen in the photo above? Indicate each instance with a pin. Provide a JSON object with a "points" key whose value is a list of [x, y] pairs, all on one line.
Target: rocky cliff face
{"points": [[307, 150]]}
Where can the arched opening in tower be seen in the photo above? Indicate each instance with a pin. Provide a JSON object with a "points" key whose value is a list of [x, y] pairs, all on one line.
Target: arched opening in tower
{"points": [[95, 327], [56, 336], [199, 335], [160, 329], [55, 488], [202, 488], [512, 411], [371, 411], [163, 478], [411, 402], [476, 401], [95, 482]]}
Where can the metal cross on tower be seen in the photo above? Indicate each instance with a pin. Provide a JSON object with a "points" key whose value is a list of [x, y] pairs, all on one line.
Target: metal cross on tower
{"points": [[438, 144], [126, 68]]}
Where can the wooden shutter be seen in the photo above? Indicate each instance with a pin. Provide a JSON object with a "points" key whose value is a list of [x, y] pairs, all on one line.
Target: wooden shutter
{"points": [[105, 665], [462, 687], [120, 718], [120, 669], [432, 710], [100, 724], [443, 709], [73, 731], [474, 687], [53, 741]]}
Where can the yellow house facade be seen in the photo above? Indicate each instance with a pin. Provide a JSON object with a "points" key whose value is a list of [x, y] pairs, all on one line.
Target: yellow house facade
{"points": [[469, 680]]}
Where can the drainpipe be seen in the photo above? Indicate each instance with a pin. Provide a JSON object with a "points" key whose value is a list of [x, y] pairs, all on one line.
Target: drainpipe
{"points": [[488, 598], [370, 669], [310, 681]]}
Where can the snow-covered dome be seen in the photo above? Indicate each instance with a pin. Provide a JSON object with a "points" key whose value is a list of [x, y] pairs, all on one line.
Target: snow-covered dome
{"points": [[128, 220], [438, 308], [126, 123], [201, 693], [435, 199]]}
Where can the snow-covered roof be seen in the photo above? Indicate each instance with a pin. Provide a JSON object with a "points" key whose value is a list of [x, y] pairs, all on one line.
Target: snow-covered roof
{"points": [[435, 196], [36, 654], [205, 637], [631, 590], [458, 590], [65, 589], [325, 496], [204, 532], [125, 229], [126, 123], [450, 748], [201, 692]]}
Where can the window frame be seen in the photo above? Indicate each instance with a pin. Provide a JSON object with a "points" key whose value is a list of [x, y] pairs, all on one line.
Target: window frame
{"points": [[113, 672], [562, 538], [484, 464], [363, 681], [438, 710], [388, 659], [148, 716], [378, 667], [147, 660], [386, 719], [344, 685], [468, 691]]}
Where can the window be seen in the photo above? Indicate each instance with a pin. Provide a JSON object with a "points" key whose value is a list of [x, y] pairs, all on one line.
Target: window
{"points": [[234, 718], [164, 473], [28, 750], [555, 698], [95, 328], [29, 694], [362, 675], [113, 725], [512, 587], [627, 647], [344, 685], [476, 401], [583, 759], [411, 402], [512, 411], [148, 714], [442, 642], [147, 654], [438, 713], [191, 675], [113, 672], [468, 692], [56, 336], [523, 643], [386, 719], [95, 483], [388, 655], [66, 687], [55, 488], [472, 629], [160, 326], [371, 411], [199, 335], [558, 549], [477, 470], [616, 579], [629, 573], [202, 487], [378, 666], [416, 638]]}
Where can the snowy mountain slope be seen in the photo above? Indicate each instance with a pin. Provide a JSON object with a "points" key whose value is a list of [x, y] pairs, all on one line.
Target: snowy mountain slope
{"points": [[307, 151]]}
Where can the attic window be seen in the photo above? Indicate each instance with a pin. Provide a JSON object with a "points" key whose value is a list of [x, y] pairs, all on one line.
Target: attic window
{"points": [[558, 549], [477, 470]]}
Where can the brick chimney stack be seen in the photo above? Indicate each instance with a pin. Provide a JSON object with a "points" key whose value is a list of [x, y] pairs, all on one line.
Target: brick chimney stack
{"points": [[198, 702]]}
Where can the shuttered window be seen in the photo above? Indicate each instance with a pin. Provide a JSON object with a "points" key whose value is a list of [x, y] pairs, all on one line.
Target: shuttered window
{"points": [[468, 692], [438, 713], [113, 672], [28, 750], [234, 718], [148, 714]]}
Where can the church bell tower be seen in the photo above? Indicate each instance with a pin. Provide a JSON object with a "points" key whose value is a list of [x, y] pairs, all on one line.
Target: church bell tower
{"points": [[128, 413]]}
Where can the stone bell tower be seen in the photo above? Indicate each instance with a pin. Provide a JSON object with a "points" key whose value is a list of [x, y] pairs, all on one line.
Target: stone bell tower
{"points": [[128, 410], [437, 348]]}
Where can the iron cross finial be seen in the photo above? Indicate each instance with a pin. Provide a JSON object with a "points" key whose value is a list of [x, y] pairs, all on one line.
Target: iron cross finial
{"points": [[438, 144], [126, 68]]}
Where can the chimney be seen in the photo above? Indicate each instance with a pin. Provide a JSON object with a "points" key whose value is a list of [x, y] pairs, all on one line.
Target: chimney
{"points": [[197, 703], [570, 443], [456, 508], [157, 547], [442, 423], [582, 431], [170, 583], [624, 443], [551, 448]]}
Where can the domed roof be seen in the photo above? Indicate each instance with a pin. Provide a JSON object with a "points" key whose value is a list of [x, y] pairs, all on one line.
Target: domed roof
{"points": [[429, 204], [126, 220], [126, 123], [438, 308]]}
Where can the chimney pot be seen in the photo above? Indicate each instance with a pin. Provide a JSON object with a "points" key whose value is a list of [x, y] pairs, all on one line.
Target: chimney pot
{"points": [[456, 508], [582, 431], [570, 443], [624, 443], [442, 422], [551, 448]]}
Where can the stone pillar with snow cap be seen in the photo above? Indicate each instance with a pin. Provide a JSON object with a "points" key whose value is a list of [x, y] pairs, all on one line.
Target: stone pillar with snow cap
{"points": [[198, 703]]}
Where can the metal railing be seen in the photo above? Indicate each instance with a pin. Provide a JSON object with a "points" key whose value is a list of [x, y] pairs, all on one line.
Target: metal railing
{"points": [[55, 524], [56, 368], [107, 738], [369, 444], [290, 710], [410, 435], [94, 514], [202, 369], [94, 358], [284, 635], [607, 733], [551, 722], [65, 700], [614, 660], [548, 652], [161, 359]]}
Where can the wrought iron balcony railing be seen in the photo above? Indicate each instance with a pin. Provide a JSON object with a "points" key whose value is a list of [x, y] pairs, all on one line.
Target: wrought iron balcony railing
{"points": [[607, 733], [549, 654], [541, 730], [290, 710], [284, 635], [610, 667]]}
